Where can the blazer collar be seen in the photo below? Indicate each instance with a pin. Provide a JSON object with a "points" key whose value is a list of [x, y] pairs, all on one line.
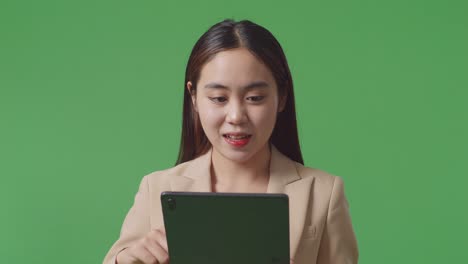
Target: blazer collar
{"points": [[282, 172], [284, 178], [196, 177], [197, 174]]}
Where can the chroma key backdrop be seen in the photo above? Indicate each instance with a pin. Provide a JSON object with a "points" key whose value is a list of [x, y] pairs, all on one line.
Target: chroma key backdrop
{"points": [[91, 101]]}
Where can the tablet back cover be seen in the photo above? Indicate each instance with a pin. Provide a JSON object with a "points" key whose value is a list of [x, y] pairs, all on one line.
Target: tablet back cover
{"points": [[226, 228]]}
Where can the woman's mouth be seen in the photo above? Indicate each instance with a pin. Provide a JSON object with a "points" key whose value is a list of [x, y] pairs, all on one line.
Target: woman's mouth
{"points": [[237, 140]]}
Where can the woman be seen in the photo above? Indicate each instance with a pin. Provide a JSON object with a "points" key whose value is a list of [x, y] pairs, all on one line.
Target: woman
{"points": [[239, 134]]}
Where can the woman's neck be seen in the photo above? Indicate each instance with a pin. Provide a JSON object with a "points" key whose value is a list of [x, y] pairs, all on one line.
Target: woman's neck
{"points": [[250, 176]]}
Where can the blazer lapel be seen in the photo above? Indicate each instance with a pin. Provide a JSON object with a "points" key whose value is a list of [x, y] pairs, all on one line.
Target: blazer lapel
{"points": [[196, 177], [284, 178]]}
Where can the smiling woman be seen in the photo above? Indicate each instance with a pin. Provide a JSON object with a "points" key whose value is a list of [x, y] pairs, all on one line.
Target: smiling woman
{"points": [[239, 134], [256, 42], [237, 105]]}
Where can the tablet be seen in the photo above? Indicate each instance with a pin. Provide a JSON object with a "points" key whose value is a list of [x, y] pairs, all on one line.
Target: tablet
{"points": [[214, 228]]}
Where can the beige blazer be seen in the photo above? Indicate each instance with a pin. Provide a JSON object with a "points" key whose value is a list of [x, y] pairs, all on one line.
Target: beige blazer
{"points": [[320, 225]]}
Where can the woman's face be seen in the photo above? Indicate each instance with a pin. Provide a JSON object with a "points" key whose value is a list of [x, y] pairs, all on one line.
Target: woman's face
{"points": [[237, 101]]}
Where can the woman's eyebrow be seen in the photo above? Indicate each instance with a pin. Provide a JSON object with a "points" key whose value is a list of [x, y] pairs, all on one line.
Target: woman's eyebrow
{"points": [[214, 85], [253, 85], [257, 84]]}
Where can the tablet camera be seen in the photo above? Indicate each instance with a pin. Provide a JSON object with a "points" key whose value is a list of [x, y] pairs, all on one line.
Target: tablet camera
{"points": [[171, 203]]}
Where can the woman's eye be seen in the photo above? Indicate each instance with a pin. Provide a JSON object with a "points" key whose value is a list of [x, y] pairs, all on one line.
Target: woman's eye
{"points": [[257, 98], [219, 99]]}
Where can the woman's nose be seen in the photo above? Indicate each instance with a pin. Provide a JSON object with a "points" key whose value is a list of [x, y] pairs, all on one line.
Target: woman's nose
{"points": [[236, 113]]}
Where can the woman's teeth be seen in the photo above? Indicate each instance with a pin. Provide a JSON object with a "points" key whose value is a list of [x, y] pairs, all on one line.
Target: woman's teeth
{"points": [[237, 137]]}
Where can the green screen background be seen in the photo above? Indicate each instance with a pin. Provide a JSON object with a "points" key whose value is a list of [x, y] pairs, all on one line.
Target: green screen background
{"points": [[91, 96]]}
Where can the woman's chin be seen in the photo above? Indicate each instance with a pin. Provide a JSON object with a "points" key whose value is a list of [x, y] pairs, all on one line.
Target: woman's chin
{"points": [[239, 155]]}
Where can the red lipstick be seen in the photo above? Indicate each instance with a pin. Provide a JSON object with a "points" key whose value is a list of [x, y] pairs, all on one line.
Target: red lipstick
{"points": [[237, 140]]}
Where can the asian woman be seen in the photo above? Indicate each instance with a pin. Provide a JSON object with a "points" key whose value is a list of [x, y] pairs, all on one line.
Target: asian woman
{"points": [[239, 134]]}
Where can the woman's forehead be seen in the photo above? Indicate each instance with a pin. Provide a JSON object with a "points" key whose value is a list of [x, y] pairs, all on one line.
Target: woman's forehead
{"points": [[236, 67]]}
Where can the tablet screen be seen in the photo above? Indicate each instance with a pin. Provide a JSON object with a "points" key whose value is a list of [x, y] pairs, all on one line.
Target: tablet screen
{"points": [[226, 227]]}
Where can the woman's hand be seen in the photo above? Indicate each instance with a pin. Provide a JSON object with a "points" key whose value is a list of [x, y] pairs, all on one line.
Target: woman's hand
{"points": [[151, 249]]}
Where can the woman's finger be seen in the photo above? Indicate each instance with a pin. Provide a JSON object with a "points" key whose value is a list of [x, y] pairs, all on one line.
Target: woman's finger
{"points": [[143, 255], [160, 236], [156, 249]]}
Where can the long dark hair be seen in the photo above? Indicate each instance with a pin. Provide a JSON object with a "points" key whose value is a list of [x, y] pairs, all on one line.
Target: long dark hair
{"points": [[226, 35]]}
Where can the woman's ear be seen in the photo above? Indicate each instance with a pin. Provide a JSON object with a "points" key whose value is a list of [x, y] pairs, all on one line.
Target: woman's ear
{"points": [[193, 95]]}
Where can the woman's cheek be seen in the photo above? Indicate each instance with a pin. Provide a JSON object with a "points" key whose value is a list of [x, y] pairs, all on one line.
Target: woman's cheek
{"points": [[266, 117], [211, 118]]}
